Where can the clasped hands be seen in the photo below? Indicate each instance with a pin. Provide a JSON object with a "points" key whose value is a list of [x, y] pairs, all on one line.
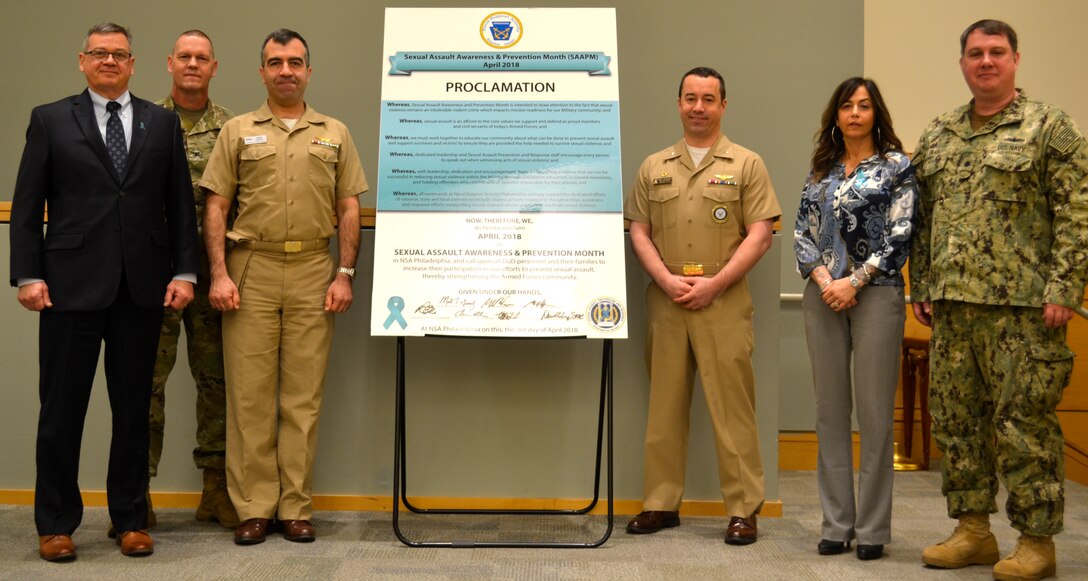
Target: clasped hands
{"points": [[839, 295], [692, 292]]}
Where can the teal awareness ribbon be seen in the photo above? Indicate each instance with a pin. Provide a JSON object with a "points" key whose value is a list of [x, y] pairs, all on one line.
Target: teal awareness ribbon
{"points": [[396, 305]]}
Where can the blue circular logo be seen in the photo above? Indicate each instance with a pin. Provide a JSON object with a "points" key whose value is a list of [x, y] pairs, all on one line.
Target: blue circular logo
{"points": [[605, 314], [501, 30]]}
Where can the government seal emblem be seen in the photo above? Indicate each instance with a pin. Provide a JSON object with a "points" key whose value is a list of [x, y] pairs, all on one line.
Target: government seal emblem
{"points": [[605, 314], [500, 30]]}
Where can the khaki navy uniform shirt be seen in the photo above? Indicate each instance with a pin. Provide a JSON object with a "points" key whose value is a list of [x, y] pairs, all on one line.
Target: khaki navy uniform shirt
{"points": [[1003, 210], [286, 181], [699, 215]]}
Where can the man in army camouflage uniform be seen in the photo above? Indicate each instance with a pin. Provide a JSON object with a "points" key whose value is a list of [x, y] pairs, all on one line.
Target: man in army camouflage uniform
{"points": [[997, 265], [192, 66]]}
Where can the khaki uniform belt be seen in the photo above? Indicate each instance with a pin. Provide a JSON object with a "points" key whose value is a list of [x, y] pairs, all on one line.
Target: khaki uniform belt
{"points": [[695, 268], [285, 247]]}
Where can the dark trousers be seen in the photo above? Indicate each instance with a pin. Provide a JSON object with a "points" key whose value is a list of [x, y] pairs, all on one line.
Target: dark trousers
{"points": [[69, 345]]}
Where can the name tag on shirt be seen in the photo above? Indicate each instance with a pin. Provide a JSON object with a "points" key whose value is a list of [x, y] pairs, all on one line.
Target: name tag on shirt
{"points": [[255, 139]]}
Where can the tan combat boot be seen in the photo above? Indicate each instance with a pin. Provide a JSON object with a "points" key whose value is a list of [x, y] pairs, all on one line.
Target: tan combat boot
{"points": [[971, 543], [151, 520], [1033, 559], [215, 501]]}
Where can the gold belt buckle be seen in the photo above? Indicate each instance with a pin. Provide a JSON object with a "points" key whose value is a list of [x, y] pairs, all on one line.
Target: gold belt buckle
{"points": [[693, 269], [292, 246]]}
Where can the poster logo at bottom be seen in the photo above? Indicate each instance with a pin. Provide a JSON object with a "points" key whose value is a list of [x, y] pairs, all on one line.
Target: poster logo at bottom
{"points": [[605, 314]]}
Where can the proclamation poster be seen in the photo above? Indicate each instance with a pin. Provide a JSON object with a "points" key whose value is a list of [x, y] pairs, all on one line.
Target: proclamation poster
{"points": [[499, 202]]}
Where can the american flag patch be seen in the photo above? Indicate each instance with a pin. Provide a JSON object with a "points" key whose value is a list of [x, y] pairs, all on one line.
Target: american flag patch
{"points": [[1065, 139]]}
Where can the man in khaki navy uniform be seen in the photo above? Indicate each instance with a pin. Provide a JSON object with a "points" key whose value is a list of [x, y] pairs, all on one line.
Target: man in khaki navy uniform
{"points": [[997, 265], [192, 65], [701, 214], [290, 169]]}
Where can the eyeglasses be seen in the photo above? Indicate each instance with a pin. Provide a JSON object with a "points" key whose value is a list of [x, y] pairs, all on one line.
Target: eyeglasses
{"points": [[119, 56]]}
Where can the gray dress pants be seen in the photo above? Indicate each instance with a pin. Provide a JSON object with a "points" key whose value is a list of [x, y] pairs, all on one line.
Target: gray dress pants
{"points": [[870, 334]]}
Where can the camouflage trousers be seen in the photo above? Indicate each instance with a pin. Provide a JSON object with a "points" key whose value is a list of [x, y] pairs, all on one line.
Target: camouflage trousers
{"points": [[204, 341], [996, 376]]}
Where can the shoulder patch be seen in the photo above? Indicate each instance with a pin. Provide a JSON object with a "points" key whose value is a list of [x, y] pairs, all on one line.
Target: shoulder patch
{"points": [[1065, 139]]}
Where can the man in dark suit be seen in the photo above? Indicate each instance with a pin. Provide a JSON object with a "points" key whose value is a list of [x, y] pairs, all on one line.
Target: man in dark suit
{"points": [[120, 246]]}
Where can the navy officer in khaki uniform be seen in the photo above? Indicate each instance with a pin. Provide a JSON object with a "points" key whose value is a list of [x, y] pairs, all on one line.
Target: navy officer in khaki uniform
{"points": [[702, 213], [289, 169]]}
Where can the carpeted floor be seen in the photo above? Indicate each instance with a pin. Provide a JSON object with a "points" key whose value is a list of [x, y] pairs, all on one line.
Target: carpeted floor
{"points": [[354, 545]]}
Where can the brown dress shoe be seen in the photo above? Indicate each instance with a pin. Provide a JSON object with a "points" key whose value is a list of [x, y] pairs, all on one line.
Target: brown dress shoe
{"points": [[298, 531], [151, 520], [56, 548], [251, 532], [741, 531], [651, 521], [136, 543]]}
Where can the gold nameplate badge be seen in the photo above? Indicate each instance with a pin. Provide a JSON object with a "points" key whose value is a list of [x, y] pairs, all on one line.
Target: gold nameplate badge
{"points": [[692, 269]]}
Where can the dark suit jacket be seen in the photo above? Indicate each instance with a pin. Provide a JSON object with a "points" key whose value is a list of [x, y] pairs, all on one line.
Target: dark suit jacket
{"points": [[142, 224]]}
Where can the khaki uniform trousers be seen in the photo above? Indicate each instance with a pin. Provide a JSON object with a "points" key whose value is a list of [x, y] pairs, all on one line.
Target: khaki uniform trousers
{"points": [[719, 341], [276, 347]]}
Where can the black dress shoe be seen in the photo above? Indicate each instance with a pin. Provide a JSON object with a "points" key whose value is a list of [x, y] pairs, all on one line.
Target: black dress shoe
{"points": [[651, 521], [827, 547], [870, 552]]}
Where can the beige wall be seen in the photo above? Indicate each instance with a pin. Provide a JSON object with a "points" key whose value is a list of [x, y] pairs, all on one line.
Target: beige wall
{"points": [[912, 50]]}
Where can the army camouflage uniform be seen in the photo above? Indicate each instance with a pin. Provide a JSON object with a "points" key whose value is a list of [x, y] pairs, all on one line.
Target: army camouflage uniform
{"points": [[1003, 229], [203, 324]]}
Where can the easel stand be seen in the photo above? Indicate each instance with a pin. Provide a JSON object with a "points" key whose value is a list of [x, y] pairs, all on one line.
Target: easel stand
{"points": [[400, 477]]}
